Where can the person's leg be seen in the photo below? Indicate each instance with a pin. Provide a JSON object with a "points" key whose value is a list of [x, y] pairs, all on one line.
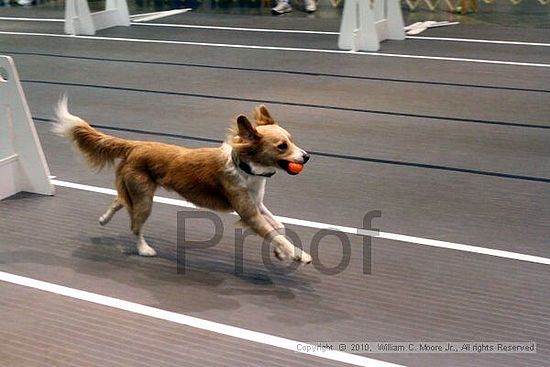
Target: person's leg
{"points": [[282, 7], [310, 6]]}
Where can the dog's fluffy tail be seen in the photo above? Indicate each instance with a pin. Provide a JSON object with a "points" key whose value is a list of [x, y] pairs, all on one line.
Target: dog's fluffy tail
{"points": [[98, 148]]}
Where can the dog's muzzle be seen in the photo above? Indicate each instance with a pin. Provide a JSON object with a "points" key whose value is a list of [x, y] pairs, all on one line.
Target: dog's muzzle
{"points": [[283, 163]]}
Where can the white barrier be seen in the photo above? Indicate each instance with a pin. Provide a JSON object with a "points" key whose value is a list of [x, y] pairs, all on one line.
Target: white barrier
{"points": [[366, 23], [23, 166], [79, 19]]}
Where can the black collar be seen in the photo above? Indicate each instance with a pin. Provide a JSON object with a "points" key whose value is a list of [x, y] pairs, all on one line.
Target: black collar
{"points": [[245, 167], [248, 170]]}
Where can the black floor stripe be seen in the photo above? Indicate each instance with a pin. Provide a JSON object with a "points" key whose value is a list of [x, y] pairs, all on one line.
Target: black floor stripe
{"points": [[329, 155], [294, 104], [291, 72]]}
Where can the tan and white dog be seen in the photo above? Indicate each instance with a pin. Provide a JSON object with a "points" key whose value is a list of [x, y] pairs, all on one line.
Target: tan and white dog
{"points": [[226, 178]]}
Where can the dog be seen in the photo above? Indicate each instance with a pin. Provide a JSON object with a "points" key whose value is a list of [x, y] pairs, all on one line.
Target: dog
{"points": [[231, 177]]}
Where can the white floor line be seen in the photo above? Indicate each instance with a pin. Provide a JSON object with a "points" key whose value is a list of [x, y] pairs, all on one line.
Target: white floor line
{"points": [[237, 29], [274, 48], [473, 40], [214, 327], [19, 19], [350, 230], [296, 31]]}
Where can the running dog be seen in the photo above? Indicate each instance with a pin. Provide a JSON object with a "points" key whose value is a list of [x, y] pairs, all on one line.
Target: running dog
{"points": [[231, 177]]}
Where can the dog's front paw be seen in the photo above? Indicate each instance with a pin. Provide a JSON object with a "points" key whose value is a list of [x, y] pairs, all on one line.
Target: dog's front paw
{"points": [[280, 255], [296, 255], [303, 258]]}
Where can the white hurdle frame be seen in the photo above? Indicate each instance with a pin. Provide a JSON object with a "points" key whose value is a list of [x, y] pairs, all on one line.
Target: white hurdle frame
{"points": [[79, 19], [366, 23], [23, 166]]}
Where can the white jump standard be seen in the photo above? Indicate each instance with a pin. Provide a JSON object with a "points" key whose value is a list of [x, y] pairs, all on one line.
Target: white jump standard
{"points": [[79, 19], [23, 166], [366, 23]]}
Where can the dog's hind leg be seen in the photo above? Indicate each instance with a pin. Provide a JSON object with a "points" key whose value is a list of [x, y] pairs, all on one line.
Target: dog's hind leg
{"points": [[140, 191], [122, 199], [115, 207]]}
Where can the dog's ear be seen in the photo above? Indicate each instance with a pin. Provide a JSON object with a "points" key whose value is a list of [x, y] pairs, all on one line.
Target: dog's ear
{"points": [[262, 116], [246, 130]]}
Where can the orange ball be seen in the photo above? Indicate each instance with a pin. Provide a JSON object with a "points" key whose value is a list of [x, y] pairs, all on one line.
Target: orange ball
{"points": [[295, 167]]}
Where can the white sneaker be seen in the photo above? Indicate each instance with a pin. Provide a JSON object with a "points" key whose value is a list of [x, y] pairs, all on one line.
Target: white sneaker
{"points": [[282, 7], [310, 6]]}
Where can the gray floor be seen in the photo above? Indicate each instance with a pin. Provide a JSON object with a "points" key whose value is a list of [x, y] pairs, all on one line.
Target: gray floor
{"points": [[448, 150]]}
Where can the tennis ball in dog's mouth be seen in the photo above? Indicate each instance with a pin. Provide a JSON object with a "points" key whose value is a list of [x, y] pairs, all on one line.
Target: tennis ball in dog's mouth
{"points": [[295, 167]]}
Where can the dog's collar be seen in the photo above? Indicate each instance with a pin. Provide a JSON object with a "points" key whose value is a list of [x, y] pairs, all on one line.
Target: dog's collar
{"points": [[245, 167]]}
